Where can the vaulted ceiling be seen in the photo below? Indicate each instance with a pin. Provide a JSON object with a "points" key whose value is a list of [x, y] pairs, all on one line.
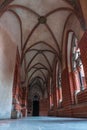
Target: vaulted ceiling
{"points": [[37, 27]]}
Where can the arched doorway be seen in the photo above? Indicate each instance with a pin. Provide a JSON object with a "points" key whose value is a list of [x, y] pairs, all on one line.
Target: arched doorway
{"points": [[35, 106]]}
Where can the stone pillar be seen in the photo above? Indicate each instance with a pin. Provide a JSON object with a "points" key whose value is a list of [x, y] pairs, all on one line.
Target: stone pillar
{"points": [[16, 110]]}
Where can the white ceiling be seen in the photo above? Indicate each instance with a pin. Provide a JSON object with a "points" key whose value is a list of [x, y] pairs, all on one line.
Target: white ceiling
{"points": [[22, 17]]}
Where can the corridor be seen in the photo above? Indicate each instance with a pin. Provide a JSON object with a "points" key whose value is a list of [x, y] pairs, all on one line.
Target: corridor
{"points": [[44, 123]]}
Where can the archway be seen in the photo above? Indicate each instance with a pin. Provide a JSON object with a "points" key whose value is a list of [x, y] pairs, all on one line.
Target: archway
{"points": [[35, 106]]}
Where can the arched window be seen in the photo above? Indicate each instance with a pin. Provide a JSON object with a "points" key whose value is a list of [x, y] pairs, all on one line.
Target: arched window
{"points": [[57, 90], [58, 85], [77, 65], [51, 94], [75, 69]]}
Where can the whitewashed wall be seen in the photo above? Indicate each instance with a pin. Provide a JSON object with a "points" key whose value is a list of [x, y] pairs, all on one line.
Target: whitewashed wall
{"points": [[7, 65]]}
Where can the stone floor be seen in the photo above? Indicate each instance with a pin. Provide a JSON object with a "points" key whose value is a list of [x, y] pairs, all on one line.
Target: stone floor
{"points": [[44, 123]]}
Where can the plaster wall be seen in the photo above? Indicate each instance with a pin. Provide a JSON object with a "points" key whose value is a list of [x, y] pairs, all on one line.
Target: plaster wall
{"points": [[7, 64]]}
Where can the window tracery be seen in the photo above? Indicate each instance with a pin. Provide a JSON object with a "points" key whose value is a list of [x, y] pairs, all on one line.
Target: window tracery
{"points": [[77, 62], [58, 85]]}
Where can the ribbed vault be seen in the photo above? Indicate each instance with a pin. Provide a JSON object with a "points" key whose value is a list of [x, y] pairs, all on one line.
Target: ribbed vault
{"points": [[38, 31]]}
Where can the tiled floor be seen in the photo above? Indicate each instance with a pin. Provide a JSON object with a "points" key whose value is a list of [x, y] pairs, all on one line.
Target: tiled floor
{"points": [[44, 123]]}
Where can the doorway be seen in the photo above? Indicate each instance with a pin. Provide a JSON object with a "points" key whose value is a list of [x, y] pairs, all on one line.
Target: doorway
{"points": [[35, 106]]}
